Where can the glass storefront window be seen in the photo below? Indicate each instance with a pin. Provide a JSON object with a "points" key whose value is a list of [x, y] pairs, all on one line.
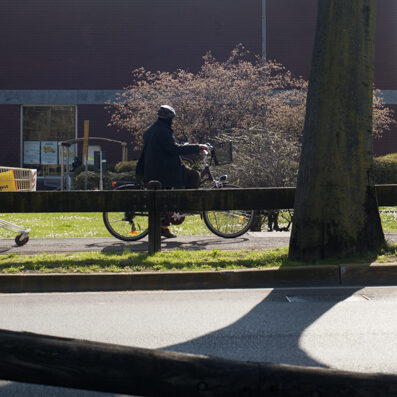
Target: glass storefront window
{"points": [[43, 128]]}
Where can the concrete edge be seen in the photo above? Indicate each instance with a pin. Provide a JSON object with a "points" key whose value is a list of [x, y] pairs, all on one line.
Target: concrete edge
{"points": [[302, 276], [369, 274], [266, 278]]}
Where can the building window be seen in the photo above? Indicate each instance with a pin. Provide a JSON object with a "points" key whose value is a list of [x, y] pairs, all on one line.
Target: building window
{"points": [[42, 128]]}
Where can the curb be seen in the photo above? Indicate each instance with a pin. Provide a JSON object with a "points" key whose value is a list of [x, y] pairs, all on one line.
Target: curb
{"points": [[266, 278], [302, 276], [369, 274]]}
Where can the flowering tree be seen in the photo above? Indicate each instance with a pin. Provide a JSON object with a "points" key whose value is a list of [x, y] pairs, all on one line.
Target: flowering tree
{"points": [[259, 106]]}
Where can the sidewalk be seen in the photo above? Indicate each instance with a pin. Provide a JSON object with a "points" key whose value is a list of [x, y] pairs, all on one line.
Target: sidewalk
{"points": [[250, 240]]}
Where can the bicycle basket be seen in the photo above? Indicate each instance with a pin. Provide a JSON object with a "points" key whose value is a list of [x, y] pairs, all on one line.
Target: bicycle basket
{"points": [[222, 153]]}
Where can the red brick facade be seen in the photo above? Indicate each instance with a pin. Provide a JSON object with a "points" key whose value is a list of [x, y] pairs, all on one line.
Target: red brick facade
{"points": [[10, 127], [290, 35], [94, 44]]}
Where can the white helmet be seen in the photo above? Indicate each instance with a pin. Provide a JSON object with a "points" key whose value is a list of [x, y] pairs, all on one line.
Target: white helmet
{"points": [[166, 112]]}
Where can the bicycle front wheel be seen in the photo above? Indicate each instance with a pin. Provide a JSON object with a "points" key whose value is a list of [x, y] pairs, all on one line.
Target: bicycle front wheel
{"points": [[228, 224]]}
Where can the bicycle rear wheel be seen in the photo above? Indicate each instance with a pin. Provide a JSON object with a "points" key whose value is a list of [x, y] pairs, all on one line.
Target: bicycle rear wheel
{"points": [[127, 226], [228, 224]]}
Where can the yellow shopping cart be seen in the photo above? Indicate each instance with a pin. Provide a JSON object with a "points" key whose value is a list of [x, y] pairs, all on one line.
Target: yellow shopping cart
{"points": [[12, 180]]}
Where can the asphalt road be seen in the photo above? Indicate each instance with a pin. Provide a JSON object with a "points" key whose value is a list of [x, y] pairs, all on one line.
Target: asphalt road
{"points": [[343, 328]]}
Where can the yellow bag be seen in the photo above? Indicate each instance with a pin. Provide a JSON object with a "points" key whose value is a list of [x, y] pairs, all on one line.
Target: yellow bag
{"points": [[7, 181]]}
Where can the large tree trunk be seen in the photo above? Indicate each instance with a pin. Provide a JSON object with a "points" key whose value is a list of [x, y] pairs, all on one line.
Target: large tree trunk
{"points": [[336, 211]]}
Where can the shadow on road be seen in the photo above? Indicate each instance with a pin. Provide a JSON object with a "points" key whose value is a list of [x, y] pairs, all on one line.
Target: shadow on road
{"points": [[280, 320]]}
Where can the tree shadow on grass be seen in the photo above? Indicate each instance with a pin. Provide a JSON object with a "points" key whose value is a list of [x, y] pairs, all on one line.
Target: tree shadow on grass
{"points": [[198, 243]]}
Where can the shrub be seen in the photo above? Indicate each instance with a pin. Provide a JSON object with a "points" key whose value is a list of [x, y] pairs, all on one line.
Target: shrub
{"points": [[385, 169], [126, 166], [108, 178], [81, 168], [262, 158], [121, 177], [92, 181]]}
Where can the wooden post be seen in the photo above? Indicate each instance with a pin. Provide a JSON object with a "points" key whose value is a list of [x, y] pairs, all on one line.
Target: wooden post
{"points": [[154, 219], [85, 150], [48, 360], [124, 151]]}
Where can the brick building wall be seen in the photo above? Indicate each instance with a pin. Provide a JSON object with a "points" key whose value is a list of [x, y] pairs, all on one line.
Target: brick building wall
{"points": [[56, 48], [290, 35], [94, 44], [53, 50], [10, 127]]}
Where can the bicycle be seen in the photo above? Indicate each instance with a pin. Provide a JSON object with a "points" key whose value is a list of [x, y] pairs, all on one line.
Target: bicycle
{"points": [[134, 225]]}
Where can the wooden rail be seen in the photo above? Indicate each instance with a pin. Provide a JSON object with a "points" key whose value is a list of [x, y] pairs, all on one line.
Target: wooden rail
{"points": [[47, 360], [163, 200], [154, 201], [157, 201]]}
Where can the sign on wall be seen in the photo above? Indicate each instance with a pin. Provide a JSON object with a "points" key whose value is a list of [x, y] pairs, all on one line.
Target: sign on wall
{"points": [[91, 150], [69, 153], [49, 152], [31, 152]]}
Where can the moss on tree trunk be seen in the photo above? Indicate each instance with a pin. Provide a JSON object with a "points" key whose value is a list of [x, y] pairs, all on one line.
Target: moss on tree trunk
{"points": [[336, 212]]}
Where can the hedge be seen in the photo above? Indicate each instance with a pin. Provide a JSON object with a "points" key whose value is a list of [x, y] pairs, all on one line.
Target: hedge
{"points": [[385, 172], [123, 172], [385, 169]]}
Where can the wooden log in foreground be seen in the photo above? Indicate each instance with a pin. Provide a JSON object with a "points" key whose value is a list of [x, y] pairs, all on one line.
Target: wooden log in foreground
{"points": [[47, 360]]}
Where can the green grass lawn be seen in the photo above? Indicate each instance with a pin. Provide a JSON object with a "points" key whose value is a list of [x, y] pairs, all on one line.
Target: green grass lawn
{"points": [[177, 260], [91, 225], [389, 219], [128, 261], [82, 224]]}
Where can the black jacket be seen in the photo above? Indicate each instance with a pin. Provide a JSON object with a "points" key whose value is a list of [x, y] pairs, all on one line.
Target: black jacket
{"points": [[160, 156]]}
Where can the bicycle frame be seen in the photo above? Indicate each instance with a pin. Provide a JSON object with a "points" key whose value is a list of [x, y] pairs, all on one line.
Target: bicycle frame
{"points": [[224, 224], [206, 174]]}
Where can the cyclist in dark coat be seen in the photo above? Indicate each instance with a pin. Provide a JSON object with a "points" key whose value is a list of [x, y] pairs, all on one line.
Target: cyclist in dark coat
{"points": [[160, 158]]}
